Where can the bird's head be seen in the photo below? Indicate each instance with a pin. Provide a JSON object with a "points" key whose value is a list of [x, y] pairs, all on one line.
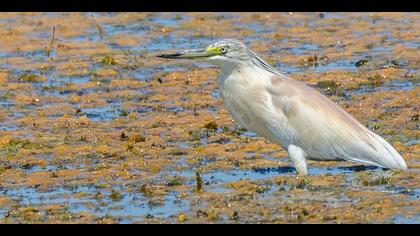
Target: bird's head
{"points": [[226, 53]]}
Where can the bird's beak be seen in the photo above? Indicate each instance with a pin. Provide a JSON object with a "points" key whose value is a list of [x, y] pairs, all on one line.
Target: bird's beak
{"points": [[190, 54]]}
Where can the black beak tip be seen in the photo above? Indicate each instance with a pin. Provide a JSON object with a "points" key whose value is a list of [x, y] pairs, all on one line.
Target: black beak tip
{"points": [[169, 56]]}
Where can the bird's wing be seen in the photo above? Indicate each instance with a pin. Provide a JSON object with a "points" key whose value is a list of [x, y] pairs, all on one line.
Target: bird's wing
{"points": [[325, 130]]}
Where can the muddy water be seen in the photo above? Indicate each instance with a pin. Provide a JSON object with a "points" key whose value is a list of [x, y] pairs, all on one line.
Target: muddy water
{"points": [[102, 131]]}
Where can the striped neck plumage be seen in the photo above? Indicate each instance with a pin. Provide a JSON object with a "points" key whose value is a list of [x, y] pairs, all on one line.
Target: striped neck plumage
{"points": [[255, 60]]}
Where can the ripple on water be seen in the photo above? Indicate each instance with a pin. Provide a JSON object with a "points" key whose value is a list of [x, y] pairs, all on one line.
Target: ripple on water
{"points": [[130, 208], [394, 85], [401, 219], [5, 103], [304, 48], [58, 86], [105, 113], [9, 127], [217, 178]]}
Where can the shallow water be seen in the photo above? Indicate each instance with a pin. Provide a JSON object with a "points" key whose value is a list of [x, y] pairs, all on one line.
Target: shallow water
{"points": [[82, 132]]}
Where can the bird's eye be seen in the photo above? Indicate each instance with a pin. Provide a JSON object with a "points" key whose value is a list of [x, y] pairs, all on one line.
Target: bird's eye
{"points": [[223, 49]]}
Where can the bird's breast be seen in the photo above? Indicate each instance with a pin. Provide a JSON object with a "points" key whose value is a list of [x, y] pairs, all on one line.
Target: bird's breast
{"points": [[247, 104], [237, 106]]}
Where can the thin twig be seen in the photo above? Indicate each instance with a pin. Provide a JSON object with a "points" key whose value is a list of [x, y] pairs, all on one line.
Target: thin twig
{"points": [[99, 27], [51, 43]]}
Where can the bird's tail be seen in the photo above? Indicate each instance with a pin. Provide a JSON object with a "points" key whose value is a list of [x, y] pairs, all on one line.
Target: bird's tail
{"points": [[388, 156]]}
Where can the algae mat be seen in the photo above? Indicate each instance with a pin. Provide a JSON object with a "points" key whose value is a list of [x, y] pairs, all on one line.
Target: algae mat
{"points": [[95, 129]]}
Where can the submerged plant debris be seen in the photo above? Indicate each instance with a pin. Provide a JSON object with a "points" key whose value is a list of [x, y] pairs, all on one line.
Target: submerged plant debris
{"points": [[103, 131]]}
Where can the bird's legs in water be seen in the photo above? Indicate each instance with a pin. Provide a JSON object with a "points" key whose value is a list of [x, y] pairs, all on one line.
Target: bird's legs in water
{"points": [[298, 157]]}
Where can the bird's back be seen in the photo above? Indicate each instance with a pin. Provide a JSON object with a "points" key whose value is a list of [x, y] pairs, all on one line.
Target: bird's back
{"points": [[323, 129]]}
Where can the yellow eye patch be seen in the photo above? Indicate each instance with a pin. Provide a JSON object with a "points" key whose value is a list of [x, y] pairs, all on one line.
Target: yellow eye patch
{"points": [[217, 50]]}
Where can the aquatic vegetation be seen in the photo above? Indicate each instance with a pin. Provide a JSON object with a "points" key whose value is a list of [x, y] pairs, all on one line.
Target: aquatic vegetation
{"points": [[375, 80], [182, 217], [116, 195], [211, 126], [104, 132], [361, 62], [199, 185], [29, 77], [330, 87], [136, 138], [108, 60], [380, 180]]}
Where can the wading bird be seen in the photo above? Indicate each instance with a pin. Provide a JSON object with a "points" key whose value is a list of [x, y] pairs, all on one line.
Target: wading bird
{"points": [[289, 113]]}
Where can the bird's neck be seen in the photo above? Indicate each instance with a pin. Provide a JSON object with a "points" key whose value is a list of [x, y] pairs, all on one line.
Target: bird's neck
{"points": [[246, 73]]}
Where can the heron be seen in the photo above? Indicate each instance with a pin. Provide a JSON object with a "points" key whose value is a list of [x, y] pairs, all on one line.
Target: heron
{"points": [[286, 111]]}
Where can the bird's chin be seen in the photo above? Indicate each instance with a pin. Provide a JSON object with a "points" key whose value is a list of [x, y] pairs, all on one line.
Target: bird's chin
{"points": [[217, 60], [222, 63]]}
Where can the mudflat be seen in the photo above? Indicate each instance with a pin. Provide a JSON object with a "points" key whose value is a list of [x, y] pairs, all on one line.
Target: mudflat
{"points": [[94, 128]]}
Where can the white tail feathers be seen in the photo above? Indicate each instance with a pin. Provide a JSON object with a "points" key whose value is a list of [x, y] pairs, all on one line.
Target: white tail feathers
{"points": [[388, 157]]}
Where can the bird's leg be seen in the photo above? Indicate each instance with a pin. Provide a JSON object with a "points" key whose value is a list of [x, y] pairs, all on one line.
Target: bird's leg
{"points": [[298, 157]]}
